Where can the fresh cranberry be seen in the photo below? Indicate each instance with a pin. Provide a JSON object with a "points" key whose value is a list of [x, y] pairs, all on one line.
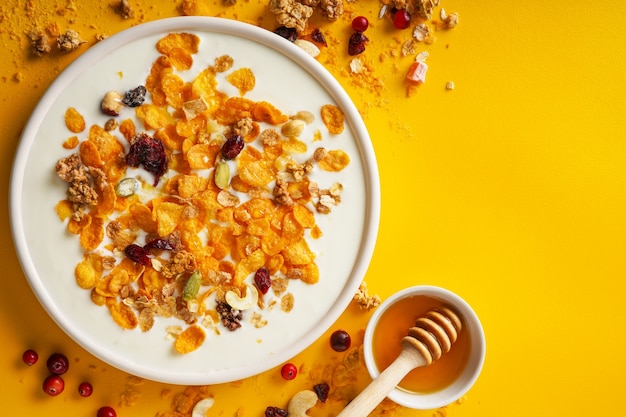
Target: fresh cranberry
{"points": [[106, 411], [289, 371], [360, 23], [30, 357], [356, 43], [340, 341], [85, 389], [322, 390], [53, 385], [262, 280], [58, 364], [232, 147], [401, 19]]}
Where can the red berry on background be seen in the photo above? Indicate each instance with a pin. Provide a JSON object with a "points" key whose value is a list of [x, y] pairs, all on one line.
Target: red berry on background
{"points": [[53, 385], [401, 19], [340, 341], [106, 411], [30, 357], [360, 23], [58, 364], [85, 389], [289, 371]]}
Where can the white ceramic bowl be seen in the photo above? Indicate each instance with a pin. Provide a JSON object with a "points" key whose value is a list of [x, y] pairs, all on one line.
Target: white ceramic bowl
{"points": [[454, 391], [286, 76]]}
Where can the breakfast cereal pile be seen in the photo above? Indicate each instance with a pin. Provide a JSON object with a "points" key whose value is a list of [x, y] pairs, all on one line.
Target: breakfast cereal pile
{"points": [[196, 208]]}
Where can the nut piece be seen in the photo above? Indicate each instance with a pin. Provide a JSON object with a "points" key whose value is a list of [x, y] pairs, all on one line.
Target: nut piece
{"points": [[201, 407], [308, 47], [293, 128], [301, 402], [249, 300], [111, 103]]}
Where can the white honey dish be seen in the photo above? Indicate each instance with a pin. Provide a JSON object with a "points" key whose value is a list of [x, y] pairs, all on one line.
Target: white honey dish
{"points": [[469, 375]]}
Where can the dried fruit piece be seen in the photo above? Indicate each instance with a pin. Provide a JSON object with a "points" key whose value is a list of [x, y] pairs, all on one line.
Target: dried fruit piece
{"points": [[275, 412], [322, 390], [356, 43], [318, 37], [262, 280], [148, 152], [232, 147], [137, 254], [291, 34]]}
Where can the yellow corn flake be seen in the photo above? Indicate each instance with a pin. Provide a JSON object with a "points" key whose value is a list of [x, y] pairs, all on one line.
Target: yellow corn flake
{"points": [[168, 215], [74, 121], [71, 142], [186, 41], [89, 270], [243, 79], [189, 340], [64, 210], [266, 112], [257, 174], [124, 316], [154, 117], [334, 161], [333, 118], [92, 235]]}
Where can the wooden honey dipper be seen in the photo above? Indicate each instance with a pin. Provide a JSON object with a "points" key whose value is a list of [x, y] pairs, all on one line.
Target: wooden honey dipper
{"points": [[431, 337]]}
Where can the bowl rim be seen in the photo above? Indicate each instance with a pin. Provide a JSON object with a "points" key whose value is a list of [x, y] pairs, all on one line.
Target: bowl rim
{"points": [[215, 25], [450, 394]]}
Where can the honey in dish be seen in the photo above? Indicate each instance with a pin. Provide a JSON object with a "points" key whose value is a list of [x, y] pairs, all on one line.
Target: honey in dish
{"points": [[393, 325]]}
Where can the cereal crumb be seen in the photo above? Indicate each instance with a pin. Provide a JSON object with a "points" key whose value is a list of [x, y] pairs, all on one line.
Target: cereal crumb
{"points": [[364, 300], [450, 85], [424, 8], [69, 41], [124, 9]]}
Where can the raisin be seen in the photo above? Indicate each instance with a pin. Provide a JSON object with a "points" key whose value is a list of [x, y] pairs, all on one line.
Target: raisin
{"points": [[232, 147], [262, 280], [356, 44], [322, 391], [275, 412], [148, 152], [135, 97], [291, 34], [158, 243], [318, 37], [137, 254]]}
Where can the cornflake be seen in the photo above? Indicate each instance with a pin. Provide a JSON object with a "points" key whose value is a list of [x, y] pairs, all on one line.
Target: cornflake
{"points": [[175, 244]]}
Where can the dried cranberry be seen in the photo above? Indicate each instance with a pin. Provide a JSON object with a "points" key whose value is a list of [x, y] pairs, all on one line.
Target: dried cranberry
{"points": [[318, 37], [322, 390], [150, 153], [161, 244], [340, 341], [356, 44], [262, 280], [135, 97], [232, 147], [291, 34], [275, 412], [58, 364], [137, 254]]}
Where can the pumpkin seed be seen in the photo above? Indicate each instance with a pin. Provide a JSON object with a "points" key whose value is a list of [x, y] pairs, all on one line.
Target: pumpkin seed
{"points": [[222, 175]]}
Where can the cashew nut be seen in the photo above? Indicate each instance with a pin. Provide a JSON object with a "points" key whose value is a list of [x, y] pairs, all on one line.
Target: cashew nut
{"points": [[249, 299], [301, 402], [201, 407]]}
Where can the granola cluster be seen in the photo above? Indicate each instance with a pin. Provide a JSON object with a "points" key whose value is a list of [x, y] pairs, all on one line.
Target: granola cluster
{"points": [[296, 13]]}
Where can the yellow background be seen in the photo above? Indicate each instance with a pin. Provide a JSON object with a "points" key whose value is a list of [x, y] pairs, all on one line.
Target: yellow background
{"points": [[509, 190]]}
